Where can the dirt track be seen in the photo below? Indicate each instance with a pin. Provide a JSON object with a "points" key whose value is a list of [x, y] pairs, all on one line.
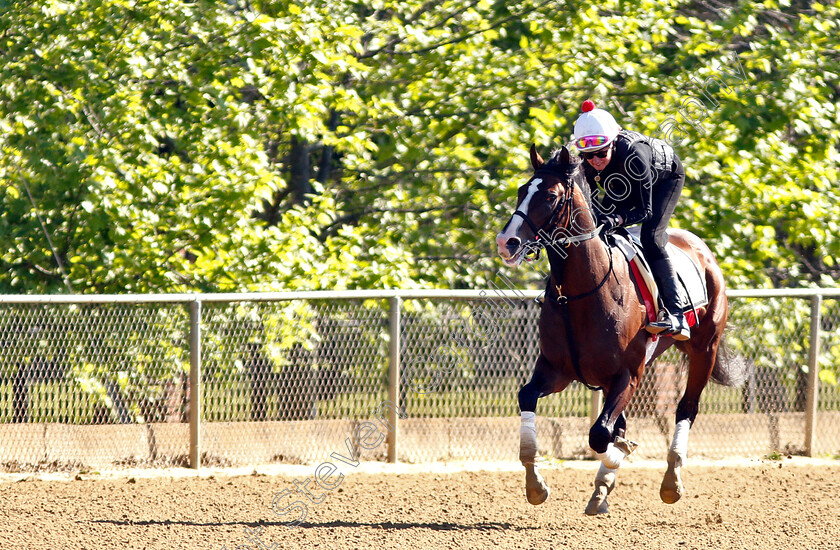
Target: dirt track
{"points": [[762, 506]]}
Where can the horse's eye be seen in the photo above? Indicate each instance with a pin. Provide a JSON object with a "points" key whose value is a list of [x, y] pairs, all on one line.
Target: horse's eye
{"points": [[551, 198]]}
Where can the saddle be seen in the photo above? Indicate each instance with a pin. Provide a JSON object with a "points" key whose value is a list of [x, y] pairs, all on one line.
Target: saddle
{"points": [[692, 286]]}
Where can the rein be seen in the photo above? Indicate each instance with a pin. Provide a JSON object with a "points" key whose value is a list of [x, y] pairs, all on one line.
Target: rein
{"points": [[564, 300]]}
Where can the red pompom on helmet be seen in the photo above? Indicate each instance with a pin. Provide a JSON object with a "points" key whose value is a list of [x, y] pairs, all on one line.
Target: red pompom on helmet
{"points": [[595, 128]]}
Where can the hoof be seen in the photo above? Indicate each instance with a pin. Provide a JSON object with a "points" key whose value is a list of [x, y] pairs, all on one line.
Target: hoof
{"points": [[626, 446], [671, 494], [672, 487], [536, 489], [598, 503]]}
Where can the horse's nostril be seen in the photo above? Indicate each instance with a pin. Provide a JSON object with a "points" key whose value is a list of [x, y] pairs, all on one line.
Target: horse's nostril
{"points": [[512, 244]]}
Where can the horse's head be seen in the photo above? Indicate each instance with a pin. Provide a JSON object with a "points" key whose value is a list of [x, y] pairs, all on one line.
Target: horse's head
{"points": [[543, 202]]}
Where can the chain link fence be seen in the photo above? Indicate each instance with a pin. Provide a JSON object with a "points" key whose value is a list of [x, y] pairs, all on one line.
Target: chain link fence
{"points": [[91, 382]]}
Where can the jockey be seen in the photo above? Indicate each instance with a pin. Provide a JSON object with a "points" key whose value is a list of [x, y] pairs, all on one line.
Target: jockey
{"points": [[635, 179]]}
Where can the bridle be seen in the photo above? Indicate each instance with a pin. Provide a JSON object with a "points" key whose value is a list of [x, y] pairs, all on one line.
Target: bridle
{"points": [[563, 206]]}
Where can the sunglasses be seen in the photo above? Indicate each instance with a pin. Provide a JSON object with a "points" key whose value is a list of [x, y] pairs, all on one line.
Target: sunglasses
{"points": [[590, 141], [600, 154]]}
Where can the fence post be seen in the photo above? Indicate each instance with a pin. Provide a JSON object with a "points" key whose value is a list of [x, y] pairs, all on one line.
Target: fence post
{"points": [[394, 307], [812, 397], [195, 384]]}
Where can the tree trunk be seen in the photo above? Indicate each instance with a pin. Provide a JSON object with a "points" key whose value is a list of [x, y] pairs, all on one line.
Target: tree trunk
{"points": [[300, 171], [327, 153]]}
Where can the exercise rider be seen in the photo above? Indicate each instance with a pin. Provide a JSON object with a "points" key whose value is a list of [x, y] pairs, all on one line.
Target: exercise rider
{"points": [[635, 179]]}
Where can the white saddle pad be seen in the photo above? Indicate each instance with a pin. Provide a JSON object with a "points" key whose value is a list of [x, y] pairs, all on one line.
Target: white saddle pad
{"points": [[692, 285]]}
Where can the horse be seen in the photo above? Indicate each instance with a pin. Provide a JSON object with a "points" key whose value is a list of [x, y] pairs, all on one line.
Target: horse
{"points": [[592, 325]]}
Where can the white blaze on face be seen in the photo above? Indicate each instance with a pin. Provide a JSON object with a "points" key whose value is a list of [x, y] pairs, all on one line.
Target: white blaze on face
{"points": [[516, 222]]}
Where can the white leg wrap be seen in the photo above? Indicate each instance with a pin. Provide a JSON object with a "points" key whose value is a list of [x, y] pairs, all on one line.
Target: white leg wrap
{"points": [[604, 484], [680, 443], [605, 475], [528, 436], [612, 457]]}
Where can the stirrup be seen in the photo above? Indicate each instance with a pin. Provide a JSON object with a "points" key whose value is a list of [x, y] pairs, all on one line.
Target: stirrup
{"points": [[674, 326], [664, 323]]}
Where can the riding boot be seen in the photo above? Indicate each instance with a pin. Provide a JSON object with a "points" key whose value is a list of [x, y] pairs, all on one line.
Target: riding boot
{"points": [[671, 321]]}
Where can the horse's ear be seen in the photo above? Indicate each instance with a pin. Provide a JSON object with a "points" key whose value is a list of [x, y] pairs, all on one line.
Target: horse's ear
{"points": [[565, 156], [536, 159]]}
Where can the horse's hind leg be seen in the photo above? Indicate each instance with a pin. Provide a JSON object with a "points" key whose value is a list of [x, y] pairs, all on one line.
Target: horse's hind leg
{"points": [[672, 488], [699, 371], [544, 381]]}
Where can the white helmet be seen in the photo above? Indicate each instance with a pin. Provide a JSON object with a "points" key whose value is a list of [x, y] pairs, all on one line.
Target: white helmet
{"points": [[595, 128]]}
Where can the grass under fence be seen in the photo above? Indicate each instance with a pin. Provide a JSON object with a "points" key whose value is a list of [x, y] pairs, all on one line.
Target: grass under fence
{"points": [[66, 402]]}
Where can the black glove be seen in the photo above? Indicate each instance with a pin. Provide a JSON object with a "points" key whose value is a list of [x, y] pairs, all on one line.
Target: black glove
{"points": [[611, 222]]}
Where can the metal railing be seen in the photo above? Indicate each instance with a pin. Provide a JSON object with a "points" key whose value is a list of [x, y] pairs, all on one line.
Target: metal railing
{"points": [[255, 377]]}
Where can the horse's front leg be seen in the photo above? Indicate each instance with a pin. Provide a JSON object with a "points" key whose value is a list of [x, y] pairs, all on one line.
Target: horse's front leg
{"points": [[607, 440], [544, 381]]}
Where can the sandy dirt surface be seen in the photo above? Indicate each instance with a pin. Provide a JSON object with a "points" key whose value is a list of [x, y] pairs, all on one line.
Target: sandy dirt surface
{"points": [[786, 504]]}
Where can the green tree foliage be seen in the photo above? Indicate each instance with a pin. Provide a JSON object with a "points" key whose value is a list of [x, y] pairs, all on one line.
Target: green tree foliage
{"points": [[263, 145]]}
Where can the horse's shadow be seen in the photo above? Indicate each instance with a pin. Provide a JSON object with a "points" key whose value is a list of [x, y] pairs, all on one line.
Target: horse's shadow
{"points": [[396, 525]]}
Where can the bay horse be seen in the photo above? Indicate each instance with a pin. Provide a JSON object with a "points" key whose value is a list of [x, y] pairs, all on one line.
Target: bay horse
{"points": [[592, 324]]}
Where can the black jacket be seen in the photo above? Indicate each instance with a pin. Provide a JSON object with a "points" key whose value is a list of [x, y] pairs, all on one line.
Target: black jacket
{"points": [[639, 164]]}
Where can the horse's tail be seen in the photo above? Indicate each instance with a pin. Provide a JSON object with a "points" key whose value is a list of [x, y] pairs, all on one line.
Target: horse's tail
{"points": [[730, 369]]}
